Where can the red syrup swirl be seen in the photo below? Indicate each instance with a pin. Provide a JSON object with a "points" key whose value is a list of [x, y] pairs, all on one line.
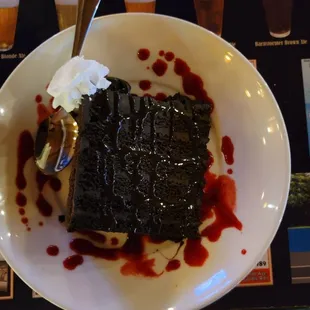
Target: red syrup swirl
{"points": [[210, 161], [169, 56], [219, 199], [43, 111], [192, 83], [144, 54], [173, 265], [73, 262], [229, 171], [228, 150], [44, 207], [42, 179], [145, 84], [21, 199], [86, 247], [137, 261], [195, 254], [140, 268], [94, 236], [52, 250], [159, 67], [158, 96], [132, 251], [25, 152]]}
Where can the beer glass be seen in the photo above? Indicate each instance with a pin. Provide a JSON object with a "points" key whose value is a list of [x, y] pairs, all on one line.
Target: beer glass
{"points": [[146, 6], [279, 17], [210, 14], [8, 21], [66, 13]]}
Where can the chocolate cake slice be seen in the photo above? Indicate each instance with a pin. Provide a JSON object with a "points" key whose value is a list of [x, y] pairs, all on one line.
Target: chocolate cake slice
{"points": [[139, 165]]}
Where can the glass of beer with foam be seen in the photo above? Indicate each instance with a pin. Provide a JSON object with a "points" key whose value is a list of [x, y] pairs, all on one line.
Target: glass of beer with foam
{"points": [[146, 6], [8, 21], [66, 13]]}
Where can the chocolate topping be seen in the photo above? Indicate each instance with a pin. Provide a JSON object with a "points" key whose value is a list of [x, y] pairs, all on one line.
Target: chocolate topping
{"points": [[139, 165]]}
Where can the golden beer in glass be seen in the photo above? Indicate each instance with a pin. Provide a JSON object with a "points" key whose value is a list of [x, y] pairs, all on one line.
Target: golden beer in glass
{"points": [[210, 14], [66, 13], [146, 6], [8, 21]]}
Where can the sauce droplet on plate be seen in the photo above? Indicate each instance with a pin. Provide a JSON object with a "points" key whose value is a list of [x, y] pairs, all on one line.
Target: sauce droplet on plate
{"points": [[173, 265], [52, 250], [228, 150], [160, 96], [24, 220], [145, 84], [38, 98], [159, 67], [144, 54], [73, 261], [21, 199], [169, 56], [21, 211]]}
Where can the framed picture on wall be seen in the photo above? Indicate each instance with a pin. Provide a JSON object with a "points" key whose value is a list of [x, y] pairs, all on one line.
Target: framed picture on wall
{"points": [[6, 280]]}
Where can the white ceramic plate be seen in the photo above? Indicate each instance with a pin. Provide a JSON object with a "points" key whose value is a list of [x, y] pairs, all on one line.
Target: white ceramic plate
{"points": [[245, 110]]}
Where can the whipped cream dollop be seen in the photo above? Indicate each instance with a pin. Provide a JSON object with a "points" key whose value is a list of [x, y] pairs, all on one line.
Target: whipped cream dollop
{"points": [[76, 78]]}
